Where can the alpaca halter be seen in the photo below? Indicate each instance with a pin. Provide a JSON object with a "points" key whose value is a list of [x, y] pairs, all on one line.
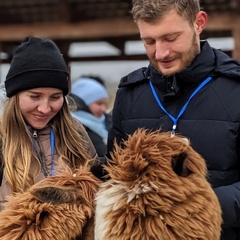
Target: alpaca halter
{"points": [[182, 110]]}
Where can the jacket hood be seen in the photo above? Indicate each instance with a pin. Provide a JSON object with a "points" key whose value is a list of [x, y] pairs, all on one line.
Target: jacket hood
{"points": [[225, 65], [210, 62]]}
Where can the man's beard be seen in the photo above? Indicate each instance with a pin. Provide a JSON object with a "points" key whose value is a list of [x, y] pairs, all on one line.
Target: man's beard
{"points": [[186, 61]]}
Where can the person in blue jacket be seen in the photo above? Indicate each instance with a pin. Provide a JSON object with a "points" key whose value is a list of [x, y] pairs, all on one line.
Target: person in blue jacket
{"points": [[189, 88]]}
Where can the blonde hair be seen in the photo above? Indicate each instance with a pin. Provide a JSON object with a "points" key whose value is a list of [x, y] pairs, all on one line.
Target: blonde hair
{"points": [[152, 10], [17, 149]]}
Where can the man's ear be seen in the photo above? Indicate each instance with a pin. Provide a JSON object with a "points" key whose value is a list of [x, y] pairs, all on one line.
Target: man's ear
{"points": [[200, 22]]}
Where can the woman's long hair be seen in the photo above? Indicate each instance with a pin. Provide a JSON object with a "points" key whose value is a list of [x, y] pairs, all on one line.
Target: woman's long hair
{"points": [[17, 148]]}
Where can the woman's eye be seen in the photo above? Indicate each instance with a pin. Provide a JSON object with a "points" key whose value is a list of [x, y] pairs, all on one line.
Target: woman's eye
{"points": [[34, 96], [55, 97]]}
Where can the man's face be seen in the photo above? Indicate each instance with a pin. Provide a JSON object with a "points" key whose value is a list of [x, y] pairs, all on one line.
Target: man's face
{"points": [[171, 43]]}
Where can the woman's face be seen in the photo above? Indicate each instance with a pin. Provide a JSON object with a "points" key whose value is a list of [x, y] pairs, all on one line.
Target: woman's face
{"points": [[39, 105]]}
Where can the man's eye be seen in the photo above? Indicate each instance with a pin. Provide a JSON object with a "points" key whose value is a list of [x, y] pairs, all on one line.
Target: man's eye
{"points": [[171, 38], [149, 42]]}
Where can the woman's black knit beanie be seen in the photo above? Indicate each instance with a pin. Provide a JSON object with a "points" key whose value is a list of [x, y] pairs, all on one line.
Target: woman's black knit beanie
{"points": [[37, 62]]}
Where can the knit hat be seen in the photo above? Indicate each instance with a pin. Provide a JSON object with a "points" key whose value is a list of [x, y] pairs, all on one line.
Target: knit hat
{"points": [[89, 90], [37, 62]]}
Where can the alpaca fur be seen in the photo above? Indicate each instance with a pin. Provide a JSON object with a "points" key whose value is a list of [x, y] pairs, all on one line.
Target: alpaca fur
{"points": [[157, 190], [56, 208]]}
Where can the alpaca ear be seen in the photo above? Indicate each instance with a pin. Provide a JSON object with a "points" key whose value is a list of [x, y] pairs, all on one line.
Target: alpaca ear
{"points": [[179, 166], [178, 161], [189, 162], [185, 140], [56, 195], [49, 194]]}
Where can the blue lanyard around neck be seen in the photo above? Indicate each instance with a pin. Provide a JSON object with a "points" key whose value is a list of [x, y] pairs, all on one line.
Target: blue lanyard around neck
{"points": [[182, 110], [52, 142]]}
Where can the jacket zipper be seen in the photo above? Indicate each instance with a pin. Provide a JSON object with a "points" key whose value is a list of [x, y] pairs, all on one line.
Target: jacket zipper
{"points": [[39, 153], [35, 133]]}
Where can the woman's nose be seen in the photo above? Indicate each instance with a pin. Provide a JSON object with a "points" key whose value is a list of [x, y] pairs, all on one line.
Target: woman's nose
{"points": [[44, 106]]}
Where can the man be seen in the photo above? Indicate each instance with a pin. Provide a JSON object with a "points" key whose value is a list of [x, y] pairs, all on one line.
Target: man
{"points": [[188, 88]]}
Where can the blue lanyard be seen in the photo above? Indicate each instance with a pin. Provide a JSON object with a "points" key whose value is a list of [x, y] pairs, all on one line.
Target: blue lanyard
{"points": [[182, 110], [52, 142]]}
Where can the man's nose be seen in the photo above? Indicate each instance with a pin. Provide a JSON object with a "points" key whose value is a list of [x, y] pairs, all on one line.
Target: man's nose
{"points": [[162, 50]]}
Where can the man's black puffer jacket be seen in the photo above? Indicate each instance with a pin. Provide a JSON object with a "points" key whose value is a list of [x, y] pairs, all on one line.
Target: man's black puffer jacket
{"points": [[211, 120]]}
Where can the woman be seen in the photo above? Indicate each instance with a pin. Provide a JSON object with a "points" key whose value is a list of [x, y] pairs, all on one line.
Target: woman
{"points": [[38, 134]]}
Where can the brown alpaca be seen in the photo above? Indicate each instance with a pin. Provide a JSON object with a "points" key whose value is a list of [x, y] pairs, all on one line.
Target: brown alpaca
{"points": [[56, 208], [157, 191]]}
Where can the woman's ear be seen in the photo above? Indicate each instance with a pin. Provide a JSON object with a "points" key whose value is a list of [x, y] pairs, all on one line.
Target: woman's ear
{"points": [[200, 22]]}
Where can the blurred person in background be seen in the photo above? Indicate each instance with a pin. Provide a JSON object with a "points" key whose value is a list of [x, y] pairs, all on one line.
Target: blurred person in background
{"points": [[91, 99]]}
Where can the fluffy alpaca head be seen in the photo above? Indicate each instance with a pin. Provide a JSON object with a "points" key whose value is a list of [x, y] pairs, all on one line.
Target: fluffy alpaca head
{"points": [[144, 152], [56, 208], [157, 190]]}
